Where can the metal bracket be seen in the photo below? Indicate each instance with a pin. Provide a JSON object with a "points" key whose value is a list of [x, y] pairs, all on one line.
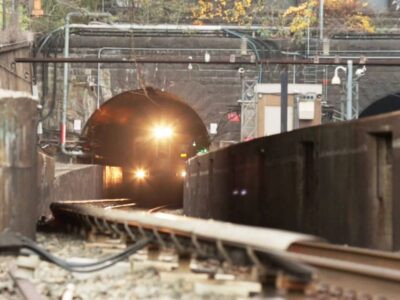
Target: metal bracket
{"points": [[223, 252], [129, 232], [116, 230], [142, 232], [107, 226], [197, 246], [97, 223], [254, 259], [86, 220], [363, 59], [159, 239], [177, 244]]}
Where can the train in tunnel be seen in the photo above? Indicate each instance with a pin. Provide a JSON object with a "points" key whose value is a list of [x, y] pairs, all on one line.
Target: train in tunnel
{"points": [[143, 138]]}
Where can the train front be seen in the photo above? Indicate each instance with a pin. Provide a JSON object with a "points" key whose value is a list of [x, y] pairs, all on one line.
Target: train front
{"points": [[143, 138]]}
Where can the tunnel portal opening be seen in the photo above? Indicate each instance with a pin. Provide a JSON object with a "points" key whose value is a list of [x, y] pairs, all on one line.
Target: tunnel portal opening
{"points": [[144, 138], [386, 104]]}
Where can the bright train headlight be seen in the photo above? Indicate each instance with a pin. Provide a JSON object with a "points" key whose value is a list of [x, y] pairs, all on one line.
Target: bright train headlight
{"points": [[140, 174], [162, 132]]}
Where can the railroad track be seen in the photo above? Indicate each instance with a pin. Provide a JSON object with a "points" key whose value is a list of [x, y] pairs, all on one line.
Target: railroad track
{"points": [[295, 264], [369, 257]]}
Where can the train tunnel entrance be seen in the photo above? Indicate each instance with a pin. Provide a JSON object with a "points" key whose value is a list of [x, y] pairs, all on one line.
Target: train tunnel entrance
{"points": [[144, 138], [386, 104]]}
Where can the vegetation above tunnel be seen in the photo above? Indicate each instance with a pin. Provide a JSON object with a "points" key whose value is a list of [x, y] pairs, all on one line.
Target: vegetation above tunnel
{"points": [[351, 15]]}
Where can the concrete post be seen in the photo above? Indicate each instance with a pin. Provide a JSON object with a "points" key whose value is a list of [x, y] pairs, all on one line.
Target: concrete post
{"points": [[284, 99], [18, 161], [321, 20], [349, 110], [4, 6]]}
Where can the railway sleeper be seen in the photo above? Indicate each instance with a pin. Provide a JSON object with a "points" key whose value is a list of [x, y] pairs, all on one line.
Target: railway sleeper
{"points": [[270, 269]]}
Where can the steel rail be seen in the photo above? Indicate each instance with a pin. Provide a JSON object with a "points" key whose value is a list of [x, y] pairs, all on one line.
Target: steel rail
{"points": [[335, 275], [244, 245], [360, 61], [352, 280], [369, 257]]}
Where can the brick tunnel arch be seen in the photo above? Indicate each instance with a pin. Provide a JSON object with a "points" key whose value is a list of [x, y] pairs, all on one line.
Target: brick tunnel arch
{"points": [[386, 104], [128, 117], [121, 136]]}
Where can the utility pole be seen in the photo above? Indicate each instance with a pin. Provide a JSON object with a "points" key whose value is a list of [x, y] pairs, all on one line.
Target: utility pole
{"points": [[349, 109], [4, 14], [14, 21], [284, 99], [321, 20]]}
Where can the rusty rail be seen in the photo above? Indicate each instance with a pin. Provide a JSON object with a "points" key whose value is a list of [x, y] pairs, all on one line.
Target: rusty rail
{"points": [[280, 251], [369, 257], [244, 245]]}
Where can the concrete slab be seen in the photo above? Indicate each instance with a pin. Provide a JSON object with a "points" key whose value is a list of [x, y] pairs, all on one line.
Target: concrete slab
{"points": [[78, 182]]}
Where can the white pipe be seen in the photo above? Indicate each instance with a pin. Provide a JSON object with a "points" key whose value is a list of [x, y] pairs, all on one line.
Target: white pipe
{"points": [[167, 27], [63, 129], [349, 109], [358, 57], [321, 20]]}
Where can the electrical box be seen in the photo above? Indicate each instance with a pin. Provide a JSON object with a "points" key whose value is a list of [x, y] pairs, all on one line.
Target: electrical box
{"points": [[309, 97], [213, 128], [306, 110]]}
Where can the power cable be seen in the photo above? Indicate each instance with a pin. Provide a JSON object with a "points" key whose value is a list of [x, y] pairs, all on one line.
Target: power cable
{"points": [[25, 243], [54, 88]]}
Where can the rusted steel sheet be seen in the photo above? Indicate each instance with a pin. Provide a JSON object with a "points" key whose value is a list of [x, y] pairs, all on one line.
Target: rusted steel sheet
{"points": [[18, 158], [15, 77], [46, 174], [337, 181]]}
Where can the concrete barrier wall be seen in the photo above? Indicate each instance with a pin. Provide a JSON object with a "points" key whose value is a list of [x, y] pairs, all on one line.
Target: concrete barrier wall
{"points": [[18, 159], [337, 181], [78, 182], [62, 181]]}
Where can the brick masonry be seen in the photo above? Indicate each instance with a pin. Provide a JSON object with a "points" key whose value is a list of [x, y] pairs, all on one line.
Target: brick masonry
{"points": [[210, 89]]}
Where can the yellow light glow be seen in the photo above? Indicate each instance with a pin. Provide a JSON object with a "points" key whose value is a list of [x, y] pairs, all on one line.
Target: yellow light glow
{"points": [[162, 132], [140, 174], [183, 173], [112, 176], [183, 155]]}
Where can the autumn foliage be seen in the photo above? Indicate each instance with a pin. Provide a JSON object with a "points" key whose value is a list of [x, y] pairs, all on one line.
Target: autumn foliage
{"points": [[238, 12], [339, 15]]}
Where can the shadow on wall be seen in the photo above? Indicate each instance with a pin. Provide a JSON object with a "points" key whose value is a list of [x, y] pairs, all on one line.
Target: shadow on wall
{"points": [[387, 104]]}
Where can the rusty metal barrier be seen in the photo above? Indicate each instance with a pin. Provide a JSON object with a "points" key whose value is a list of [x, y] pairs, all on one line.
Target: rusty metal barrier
{"points": [[337, 181]]}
